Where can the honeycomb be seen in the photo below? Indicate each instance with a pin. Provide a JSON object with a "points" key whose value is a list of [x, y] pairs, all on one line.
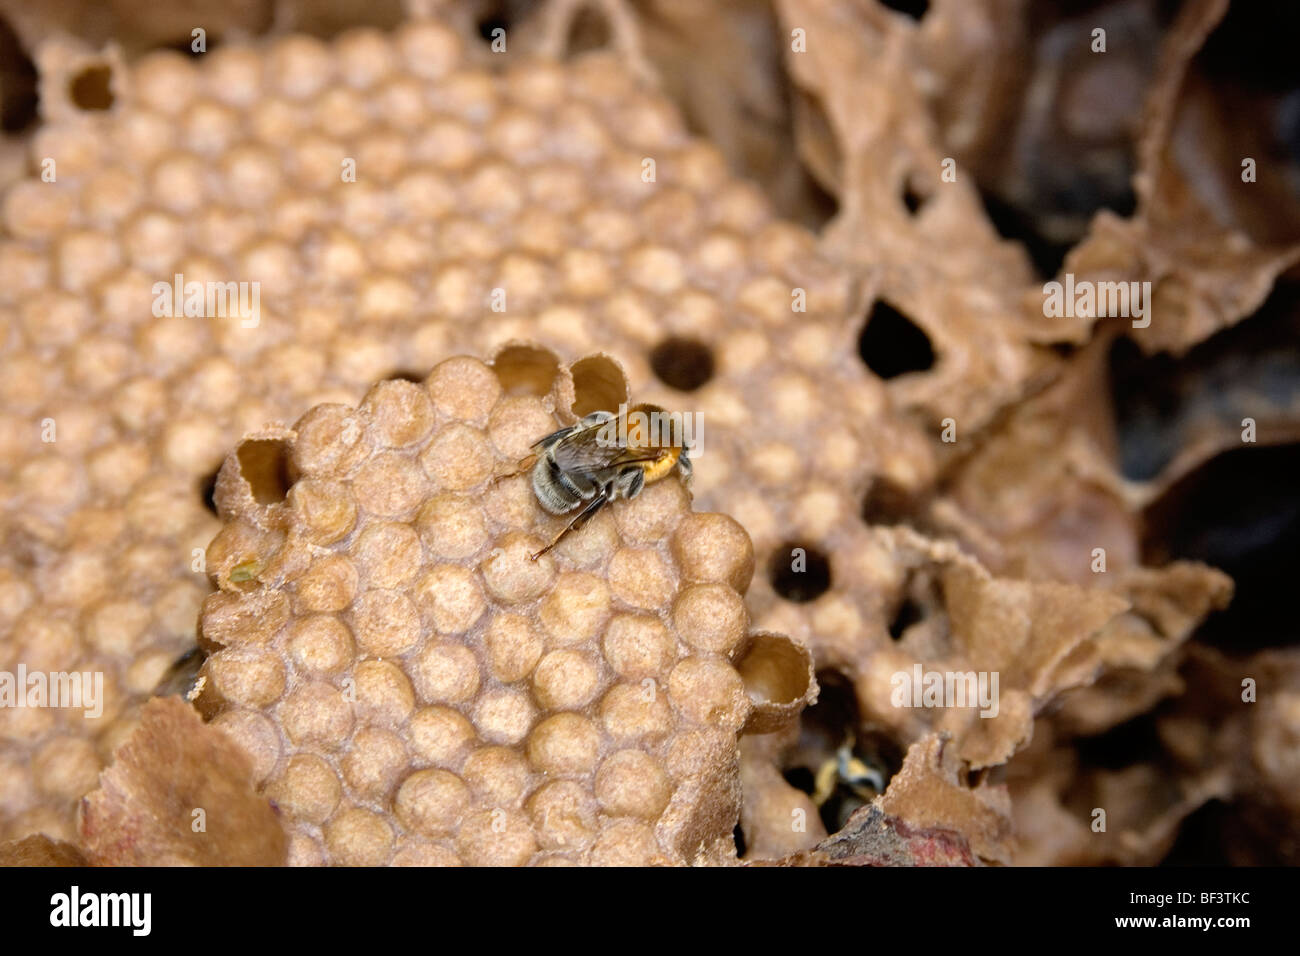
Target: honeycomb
{"points": [[412, 687], [525, 179]]}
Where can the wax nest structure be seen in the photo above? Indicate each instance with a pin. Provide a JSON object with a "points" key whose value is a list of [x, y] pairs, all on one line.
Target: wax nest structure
{"points": [[413, 687], [526, 181]]}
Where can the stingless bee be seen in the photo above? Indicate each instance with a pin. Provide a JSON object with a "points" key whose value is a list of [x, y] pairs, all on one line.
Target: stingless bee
{"points": [[600, 459], [182, 675], [846, 769]]}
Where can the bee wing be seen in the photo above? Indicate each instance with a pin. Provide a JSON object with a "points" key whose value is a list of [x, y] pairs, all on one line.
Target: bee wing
{"points": [[592, 422], [584, 450], [629, 456], [554, 437]]}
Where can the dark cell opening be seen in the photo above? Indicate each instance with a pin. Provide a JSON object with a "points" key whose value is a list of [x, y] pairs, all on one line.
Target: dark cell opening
{"points": [[913, 199], [814, 203], [836, 712], [1286, 123], [1238, 512], [808, 583], [909, 613], [1253, 47], [915, 9], [208, 490], [801, 778], [1011, 223], [1145, 396], [406, 375], [1123, 203], [738, 836], [1078, 200], [892, 345], [180, 677], [888, 503], [1132, 742], [682, 363], [496, 16], [18, 79], [91, 88], [1246, 371], [487, 28], [820, 205], [185, 47], [1200, 839]]}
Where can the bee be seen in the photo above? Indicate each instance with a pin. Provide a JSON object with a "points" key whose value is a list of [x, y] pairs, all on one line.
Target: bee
{"points": [[600, 459], [182, 675], [846, 769]]}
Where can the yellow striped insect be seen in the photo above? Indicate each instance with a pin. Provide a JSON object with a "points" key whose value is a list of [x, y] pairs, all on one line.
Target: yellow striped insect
{"points": [[602, 458]]}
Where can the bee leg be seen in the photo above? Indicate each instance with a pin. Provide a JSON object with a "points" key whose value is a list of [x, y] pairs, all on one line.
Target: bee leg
{"points": [[525, 465], [825, 780], [585, 515]]}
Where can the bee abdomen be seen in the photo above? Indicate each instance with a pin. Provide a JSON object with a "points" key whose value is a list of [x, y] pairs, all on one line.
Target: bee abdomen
{"points": [[555, 491]]}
